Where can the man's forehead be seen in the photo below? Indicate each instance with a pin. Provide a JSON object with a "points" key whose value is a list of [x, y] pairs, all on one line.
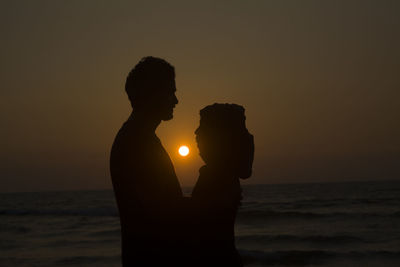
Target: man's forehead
{"points": [[172, 85], [168, 87]]}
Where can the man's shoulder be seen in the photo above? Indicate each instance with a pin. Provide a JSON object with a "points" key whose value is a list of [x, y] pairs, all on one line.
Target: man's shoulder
{"points": [[130, 132], [127, 137], [132, 139]]}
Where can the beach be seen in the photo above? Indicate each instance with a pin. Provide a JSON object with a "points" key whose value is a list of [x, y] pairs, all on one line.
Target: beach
{"points": [[330, 224]]}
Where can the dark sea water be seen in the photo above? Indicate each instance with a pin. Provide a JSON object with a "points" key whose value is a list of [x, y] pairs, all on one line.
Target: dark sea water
{"points": [[336, 224]]}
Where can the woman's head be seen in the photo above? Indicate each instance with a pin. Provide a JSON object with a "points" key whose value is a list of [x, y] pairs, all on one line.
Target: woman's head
{"points": [[224, 140]]}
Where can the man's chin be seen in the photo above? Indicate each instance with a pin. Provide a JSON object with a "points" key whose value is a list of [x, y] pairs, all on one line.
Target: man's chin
{"points": [[168, 117]]}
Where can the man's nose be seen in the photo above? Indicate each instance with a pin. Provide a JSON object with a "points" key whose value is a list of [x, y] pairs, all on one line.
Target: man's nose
{"points": [[175, 100]]}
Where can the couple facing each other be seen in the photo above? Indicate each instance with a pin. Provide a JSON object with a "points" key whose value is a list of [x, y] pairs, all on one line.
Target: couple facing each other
{"points": [[159, 226]]}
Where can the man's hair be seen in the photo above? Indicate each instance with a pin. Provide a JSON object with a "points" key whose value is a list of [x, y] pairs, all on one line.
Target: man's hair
{"points": [[147, 77]]}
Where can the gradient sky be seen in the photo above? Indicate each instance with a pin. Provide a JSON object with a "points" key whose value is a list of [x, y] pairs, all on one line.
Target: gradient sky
{"points": [[319, 80]]}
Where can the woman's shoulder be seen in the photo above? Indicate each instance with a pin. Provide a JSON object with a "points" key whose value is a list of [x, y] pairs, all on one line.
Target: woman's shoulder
{"points": [[212, 183]]}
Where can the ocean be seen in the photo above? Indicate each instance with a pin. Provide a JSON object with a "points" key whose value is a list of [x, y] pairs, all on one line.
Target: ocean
{"points": [[330, 224]]}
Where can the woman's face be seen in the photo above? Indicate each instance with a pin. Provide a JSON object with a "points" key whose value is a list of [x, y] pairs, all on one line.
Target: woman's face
{"points": [[233, 149]]}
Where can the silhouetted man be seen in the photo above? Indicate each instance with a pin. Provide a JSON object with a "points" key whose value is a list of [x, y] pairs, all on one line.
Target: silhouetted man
{"points": [[147, 190]]}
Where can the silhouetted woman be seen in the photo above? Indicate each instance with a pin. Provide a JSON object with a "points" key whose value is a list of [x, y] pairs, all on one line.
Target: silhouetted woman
{"points": [[227, 148]]}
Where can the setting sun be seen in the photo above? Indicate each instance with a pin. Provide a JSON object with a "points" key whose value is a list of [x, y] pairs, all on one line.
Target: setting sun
{"points": [[183, 151]]}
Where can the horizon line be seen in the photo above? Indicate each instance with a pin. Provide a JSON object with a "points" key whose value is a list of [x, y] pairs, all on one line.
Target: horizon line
{"points": [[191, 186]]}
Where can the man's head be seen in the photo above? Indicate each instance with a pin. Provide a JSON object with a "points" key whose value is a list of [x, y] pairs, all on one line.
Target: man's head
{"points": [[151, 88]]}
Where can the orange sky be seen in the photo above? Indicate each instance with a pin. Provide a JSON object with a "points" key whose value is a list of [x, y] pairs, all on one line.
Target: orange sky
{"points": [[319, 81]]}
